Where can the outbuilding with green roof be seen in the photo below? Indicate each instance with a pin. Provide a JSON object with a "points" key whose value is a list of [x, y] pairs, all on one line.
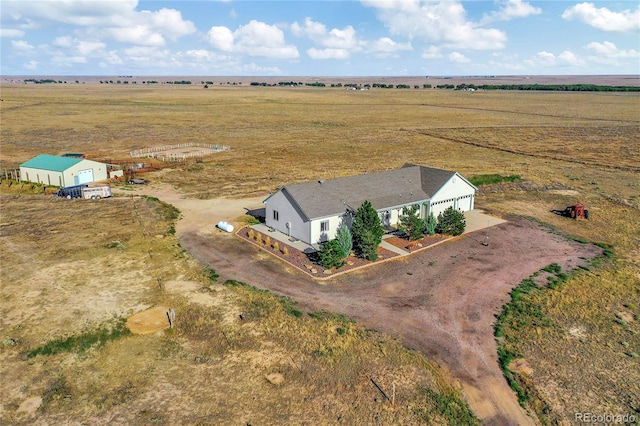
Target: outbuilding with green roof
{"points": [[62, 171]]}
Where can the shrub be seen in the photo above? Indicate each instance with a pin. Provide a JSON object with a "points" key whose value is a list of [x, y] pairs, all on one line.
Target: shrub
{"points": [[492, 179], [252, 233], [285, 251], [451, 222], [259, 238], [267, 241], [276, 246]]}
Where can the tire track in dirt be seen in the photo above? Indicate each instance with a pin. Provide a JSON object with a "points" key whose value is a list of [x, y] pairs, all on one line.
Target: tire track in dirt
{"points": [[527, 154], [534, 114]]}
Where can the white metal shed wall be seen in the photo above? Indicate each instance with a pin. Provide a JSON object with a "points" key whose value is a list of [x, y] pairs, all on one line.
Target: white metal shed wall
{"points": [[47, 177], [78, 173]]}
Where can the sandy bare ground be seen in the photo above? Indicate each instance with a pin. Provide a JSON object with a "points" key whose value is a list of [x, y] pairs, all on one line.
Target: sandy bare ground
{"points": [[441, 302]]}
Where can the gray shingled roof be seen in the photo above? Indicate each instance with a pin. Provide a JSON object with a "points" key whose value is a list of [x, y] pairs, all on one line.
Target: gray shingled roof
{"points": [[407, 185]]}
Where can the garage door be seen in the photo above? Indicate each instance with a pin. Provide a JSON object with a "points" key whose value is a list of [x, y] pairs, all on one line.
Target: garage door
{"points": [[464, 203], [85, 176], [440, 206]]}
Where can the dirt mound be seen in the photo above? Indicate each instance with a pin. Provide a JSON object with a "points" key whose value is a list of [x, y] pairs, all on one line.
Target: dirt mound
{"points": [[149, 321]]}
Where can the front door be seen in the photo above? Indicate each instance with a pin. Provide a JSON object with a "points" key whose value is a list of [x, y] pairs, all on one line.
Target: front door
{"points": [[386, 219]]}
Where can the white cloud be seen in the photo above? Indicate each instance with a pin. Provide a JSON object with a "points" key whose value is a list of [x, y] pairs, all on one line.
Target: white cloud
{"points": [[510, 9], [458, 58], [569, 58], [88, 47], [609, 50], [68, 61], [316, 31], [22, 47], [255, 39], [114, 19], [603, 18], [336, 38], [169, 22], [386, 45], [328, 53], [74, 12], [82, 47], [31, 65], [10, 32], [443, 23], [549, 60], [432, 52], [341, 43], [342, 39], [64, 41], [138, 35], [221, 38], [113, 58]]}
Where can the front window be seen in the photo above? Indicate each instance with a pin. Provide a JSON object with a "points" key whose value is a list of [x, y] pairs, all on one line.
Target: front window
{"points": [[276, 215], [324, 226]]}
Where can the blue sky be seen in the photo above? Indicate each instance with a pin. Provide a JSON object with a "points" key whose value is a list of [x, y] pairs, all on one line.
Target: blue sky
{"points": [[319, 38]]}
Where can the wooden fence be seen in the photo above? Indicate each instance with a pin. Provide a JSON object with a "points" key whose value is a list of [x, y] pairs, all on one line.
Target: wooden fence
{"points": [[13, 174], [164, 153]]}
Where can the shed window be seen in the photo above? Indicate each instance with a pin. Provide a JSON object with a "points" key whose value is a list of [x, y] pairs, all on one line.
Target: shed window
{"points": [[276, 215], [324, 226]]}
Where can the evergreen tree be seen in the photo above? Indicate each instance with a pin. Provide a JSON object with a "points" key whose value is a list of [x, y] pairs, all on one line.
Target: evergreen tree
{"points": [[411, 224], [429, 225], [345, 240], [330, 255], [367, 231], [451, 222]]}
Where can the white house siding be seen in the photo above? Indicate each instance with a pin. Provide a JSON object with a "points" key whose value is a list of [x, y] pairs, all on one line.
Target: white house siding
{"points": [[47, 177], [319, 236], [297, 228], [456, 193]]}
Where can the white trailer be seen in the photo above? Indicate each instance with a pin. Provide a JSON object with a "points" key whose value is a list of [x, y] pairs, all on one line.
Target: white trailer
{"points": [[96, 192]]}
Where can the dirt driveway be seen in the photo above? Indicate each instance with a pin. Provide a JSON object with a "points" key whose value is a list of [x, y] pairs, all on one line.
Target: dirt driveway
{"points": [[441, 302]]}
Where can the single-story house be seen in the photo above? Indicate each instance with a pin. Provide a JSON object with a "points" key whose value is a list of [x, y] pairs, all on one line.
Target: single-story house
{"points": [[62, 171], [312, 212]]}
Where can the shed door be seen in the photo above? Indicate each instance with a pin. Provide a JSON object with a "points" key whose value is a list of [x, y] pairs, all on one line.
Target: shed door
{"points": [[85, 176]]}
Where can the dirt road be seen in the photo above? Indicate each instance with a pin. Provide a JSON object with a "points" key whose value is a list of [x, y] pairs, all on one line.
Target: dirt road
{"points": [[441, 301]]}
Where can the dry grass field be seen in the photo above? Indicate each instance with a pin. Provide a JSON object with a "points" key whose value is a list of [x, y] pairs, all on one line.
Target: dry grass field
{"points": [[567, 147], [74, 270]]}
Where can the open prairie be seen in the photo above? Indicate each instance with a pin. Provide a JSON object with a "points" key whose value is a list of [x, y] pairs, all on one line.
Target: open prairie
{"points": [[567, 147]]}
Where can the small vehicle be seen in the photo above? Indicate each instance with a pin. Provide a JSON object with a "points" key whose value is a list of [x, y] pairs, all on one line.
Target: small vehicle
{"points": [[84, 191], [70, 192], [137, 181], [577, 211]]}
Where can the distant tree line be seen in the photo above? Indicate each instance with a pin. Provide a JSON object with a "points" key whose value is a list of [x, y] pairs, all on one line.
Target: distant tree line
{"points": [[463, 86], [546, 87]]}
